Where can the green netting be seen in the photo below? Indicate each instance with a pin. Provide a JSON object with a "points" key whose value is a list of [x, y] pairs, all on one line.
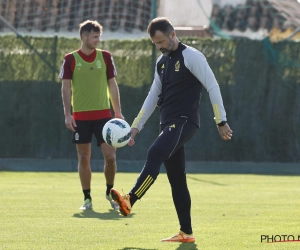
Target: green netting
{"points": [[64, 15]]}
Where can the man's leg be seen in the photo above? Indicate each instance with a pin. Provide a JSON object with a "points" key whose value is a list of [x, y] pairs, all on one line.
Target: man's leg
{"points": [[173, 136], [155, 157], [108, 152], [84, 170], [110, 168], [110, 165], [175, 167], [144, 181]]}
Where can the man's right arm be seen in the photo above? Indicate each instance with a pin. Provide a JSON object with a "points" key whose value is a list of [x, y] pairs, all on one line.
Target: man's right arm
{"points": [[149, 104], [66, 93], [147, 108], [65, 74]]}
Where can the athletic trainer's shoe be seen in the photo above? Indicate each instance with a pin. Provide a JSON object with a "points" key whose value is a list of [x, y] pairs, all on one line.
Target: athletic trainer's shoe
{"points": [[122, 200], [113, 204], [180, 237], [87, 205]]}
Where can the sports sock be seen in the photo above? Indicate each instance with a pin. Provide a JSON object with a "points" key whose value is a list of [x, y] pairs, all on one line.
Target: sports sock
{"points": [[187, 230], [133, 198], [87, 194], [108, 188]]}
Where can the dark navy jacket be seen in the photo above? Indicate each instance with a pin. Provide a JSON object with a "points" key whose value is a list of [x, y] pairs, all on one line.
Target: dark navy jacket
{"points": [[179, 78], [181, 90]]}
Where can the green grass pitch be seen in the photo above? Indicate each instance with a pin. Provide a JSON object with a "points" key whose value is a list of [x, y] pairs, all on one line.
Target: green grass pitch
{"points": [[40, 211]]}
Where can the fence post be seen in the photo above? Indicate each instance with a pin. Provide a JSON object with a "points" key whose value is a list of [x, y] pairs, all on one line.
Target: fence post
{"points": [[54, 51]]}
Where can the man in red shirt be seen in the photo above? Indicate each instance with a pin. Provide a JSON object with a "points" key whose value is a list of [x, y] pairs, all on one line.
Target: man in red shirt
{"points": [[88, 88]]}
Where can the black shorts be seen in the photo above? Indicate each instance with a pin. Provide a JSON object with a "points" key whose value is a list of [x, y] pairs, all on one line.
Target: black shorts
{"points": [[85, 130]]}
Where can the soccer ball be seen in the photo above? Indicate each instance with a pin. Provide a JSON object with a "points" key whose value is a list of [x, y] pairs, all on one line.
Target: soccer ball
{"points": [[116, 133]]}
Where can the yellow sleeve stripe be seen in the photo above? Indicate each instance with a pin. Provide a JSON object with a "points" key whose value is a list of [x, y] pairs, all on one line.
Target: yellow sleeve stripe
{"points": [[138, 118], [216, 113], [146, 184]]}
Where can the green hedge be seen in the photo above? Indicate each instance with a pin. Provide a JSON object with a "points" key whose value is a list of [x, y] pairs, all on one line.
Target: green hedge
{"points": [[39, 58], [259, 82]]}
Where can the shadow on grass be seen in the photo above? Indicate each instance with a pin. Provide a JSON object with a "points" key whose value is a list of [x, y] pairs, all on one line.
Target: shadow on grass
{"points": [[182, 246], [187, 246], [110, 215], [136, 248], [211, 182]]}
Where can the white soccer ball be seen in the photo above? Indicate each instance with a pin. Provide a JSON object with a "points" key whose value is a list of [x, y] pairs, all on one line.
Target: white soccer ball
{"points": [[116, 133]]}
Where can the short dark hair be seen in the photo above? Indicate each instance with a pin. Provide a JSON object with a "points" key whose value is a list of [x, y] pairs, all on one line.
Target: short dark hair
{"points": [[162, 24], [89, 26]]}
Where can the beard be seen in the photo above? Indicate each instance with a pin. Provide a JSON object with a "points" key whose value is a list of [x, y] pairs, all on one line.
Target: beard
{"points": [[91, 45], [167, 51]]}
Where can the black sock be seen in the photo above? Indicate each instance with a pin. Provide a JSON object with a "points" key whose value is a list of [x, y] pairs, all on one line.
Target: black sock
{"points": [[108, 188], [87, 194], [186, 230], [133, 198]]}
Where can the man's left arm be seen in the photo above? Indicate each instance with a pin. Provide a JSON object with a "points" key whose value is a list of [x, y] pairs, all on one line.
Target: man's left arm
{"points": [[114, 94], [198, 65]]}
